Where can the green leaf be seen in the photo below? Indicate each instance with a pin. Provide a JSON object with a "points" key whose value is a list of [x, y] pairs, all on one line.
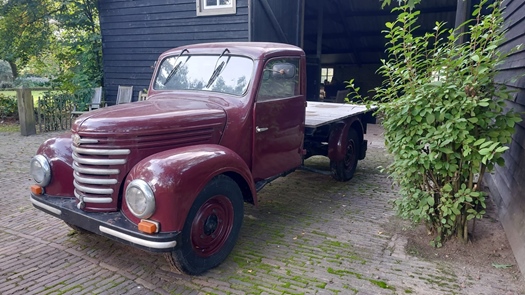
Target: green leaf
{"points": [[475, 57], [446, 150], [479, 141], [502, 149], [473, 120], [431, 118], [485, 152]]}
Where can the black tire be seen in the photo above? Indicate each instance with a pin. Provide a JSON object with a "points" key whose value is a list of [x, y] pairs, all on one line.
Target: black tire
{"points": [[79, 230], [344, 169], [211, 228]]}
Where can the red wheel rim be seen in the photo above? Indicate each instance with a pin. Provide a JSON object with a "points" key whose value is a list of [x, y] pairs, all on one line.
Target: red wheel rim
{"points": [[212, 226], [350, 156]]}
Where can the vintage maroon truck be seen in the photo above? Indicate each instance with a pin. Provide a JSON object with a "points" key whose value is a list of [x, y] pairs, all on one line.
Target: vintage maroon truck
{"points": [[171, 173]]}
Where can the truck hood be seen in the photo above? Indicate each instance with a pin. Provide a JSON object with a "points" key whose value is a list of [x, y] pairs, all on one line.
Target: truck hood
{"points": [[144, 117]]}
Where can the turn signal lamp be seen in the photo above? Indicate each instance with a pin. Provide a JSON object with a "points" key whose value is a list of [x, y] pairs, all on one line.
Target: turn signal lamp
{"points": [[148, 226], [37, 190]]}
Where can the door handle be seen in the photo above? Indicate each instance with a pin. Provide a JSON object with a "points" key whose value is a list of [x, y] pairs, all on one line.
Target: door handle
{"points": [[260, 129]]}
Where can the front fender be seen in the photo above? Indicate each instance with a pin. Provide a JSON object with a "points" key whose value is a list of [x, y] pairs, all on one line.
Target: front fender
{"points": [[177, 176], [58, 152]]}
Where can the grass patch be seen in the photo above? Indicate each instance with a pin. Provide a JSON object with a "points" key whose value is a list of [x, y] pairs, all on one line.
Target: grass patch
{"points": [[9, 127]]}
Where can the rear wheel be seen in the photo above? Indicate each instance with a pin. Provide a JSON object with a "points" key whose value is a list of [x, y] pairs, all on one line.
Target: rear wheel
{"points": [[343, 170], [211, 228]]}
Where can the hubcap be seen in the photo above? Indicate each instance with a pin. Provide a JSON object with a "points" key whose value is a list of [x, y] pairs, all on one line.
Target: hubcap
{"points": [[212, 226], [350, 154]]}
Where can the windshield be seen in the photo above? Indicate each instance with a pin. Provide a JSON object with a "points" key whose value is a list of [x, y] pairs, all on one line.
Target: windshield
{"points": [[217, 73]]}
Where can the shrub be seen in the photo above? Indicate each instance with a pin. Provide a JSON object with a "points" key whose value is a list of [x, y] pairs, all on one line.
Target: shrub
{"points": [[31, 82], [4, 85], [444, 117], [8, 107]]}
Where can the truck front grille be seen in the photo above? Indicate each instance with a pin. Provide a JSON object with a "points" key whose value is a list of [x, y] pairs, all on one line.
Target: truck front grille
{"points": [[96, 172]]}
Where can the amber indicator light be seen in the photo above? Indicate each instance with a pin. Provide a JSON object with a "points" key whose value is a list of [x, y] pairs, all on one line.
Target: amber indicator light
{"points": [[36, 189], [147, 227]]}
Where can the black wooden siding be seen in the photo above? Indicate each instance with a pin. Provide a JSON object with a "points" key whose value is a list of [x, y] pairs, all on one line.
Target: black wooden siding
{"points": [[134, 33], [507, 184]]}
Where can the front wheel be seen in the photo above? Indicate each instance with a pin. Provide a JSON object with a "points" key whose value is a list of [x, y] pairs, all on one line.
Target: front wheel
{"points": [[343, 170], [211, 228]]}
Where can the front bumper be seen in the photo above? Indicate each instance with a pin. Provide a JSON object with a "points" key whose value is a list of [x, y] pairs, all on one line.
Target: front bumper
{"points": [[113, 225]]}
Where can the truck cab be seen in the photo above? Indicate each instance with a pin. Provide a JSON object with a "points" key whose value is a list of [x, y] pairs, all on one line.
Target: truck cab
{"points": [[171, 173]]}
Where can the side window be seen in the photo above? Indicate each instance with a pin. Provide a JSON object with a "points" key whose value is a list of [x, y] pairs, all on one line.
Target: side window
{"points": [[280, 79], [216, 7]]}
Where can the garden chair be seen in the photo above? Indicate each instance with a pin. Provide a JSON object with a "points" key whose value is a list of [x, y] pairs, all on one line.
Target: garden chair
{"points": [[96, 102], [341, 95], [142, 95], [124, 94]]}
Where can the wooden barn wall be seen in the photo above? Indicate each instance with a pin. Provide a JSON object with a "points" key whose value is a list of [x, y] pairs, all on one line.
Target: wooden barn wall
{"points": [[134, 33], [507, 184]]}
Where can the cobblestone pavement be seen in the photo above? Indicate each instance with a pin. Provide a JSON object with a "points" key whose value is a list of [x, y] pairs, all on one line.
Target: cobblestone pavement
{"points": [[310, 235]]}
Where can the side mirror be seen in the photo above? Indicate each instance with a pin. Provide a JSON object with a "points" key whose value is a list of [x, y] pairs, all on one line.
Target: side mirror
{"points": [[284, 71]]}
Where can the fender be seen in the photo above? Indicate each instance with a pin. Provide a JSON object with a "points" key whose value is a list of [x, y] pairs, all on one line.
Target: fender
{"points": [[58, 152], [339, 137], [177, 176]]}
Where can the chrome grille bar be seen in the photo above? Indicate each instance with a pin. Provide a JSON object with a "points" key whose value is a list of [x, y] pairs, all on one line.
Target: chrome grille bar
{"points": [[95, 171], [92, 190], [97, 162], [99, 181], [104, 152], [93, 200]]}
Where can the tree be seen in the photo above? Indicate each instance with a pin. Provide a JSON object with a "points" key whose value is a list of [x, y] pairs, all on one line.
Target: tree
{"points": [[60, 38], [24, 30], [79, 43]]}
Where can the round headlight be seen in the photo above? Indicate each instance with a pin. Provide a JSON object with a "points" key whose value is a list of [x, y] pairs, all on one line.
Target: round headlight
{"points": [[40, 170], [140, 199]]}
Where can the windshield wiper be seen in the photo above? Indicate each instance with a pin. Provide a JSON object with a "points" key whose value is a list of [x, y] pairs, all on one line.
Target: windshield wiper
{"points": [[218, 69], [176, 67]]}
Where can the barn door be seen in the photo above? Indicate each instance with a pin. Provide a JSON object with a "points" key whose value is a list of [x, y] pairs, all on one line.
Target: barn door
{"points": [[277, 21]]}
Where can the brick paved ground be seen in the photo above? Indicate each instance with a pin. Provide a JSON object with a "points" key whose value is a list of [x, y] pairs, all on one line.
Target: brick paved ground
{"points": [[309, 235]]}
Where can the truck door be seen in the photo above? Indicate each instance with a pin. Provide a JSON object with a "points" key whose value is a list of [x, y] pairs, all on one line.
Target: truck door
{"points": [[279, 119]]}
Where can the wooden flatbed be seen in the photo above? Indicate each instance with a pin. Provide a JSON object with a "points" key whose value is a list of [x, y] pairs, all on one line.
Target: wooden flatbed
{"points": [[322, 113]]}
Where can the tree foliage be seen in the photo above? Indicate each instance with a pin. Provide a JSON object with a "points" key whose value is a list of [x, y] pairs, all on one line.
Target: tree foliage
{"points": [[55, 38], [24, 30], [445, 119]]}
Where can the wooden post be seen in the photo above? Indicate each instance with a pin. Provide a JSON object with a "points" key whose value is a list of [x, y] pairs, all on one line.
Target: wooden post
{"points": [[26, 111]]}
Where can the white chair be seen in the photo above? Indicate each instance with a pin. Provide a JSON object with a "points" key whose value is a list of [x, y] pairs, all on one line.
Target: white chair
{"points": [[96, 102], [142, 95], [124, 94]]}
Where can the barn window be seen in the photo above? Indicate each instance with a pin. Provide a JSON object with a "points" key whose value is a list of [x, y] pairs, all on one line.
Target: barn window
{"points": [[216, 7], [327, 74]]}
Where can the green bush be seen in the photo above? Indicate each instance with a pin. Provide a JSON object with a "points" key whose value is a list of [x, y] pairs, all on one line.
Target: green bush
{"points": [[8, 107], [444, 117]]}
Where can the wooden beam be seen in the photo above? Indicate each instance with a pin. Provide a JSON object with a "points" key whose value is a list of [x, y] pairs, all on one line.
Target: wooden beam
{"points": [[382, 12], [273, 20], [320, 20], [354, 55], [462, 15]]}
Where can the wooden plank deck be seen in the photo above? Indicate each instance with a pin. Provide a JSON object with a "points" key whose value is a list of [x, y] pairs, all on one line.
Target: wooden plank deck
{"points": [[321, 113]]}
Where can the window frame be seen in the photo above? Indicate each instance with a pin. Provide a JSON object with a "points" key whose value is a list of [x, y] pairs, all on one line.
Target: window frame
{"points": [[297, 88], [202, 10], [325, 77]]}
